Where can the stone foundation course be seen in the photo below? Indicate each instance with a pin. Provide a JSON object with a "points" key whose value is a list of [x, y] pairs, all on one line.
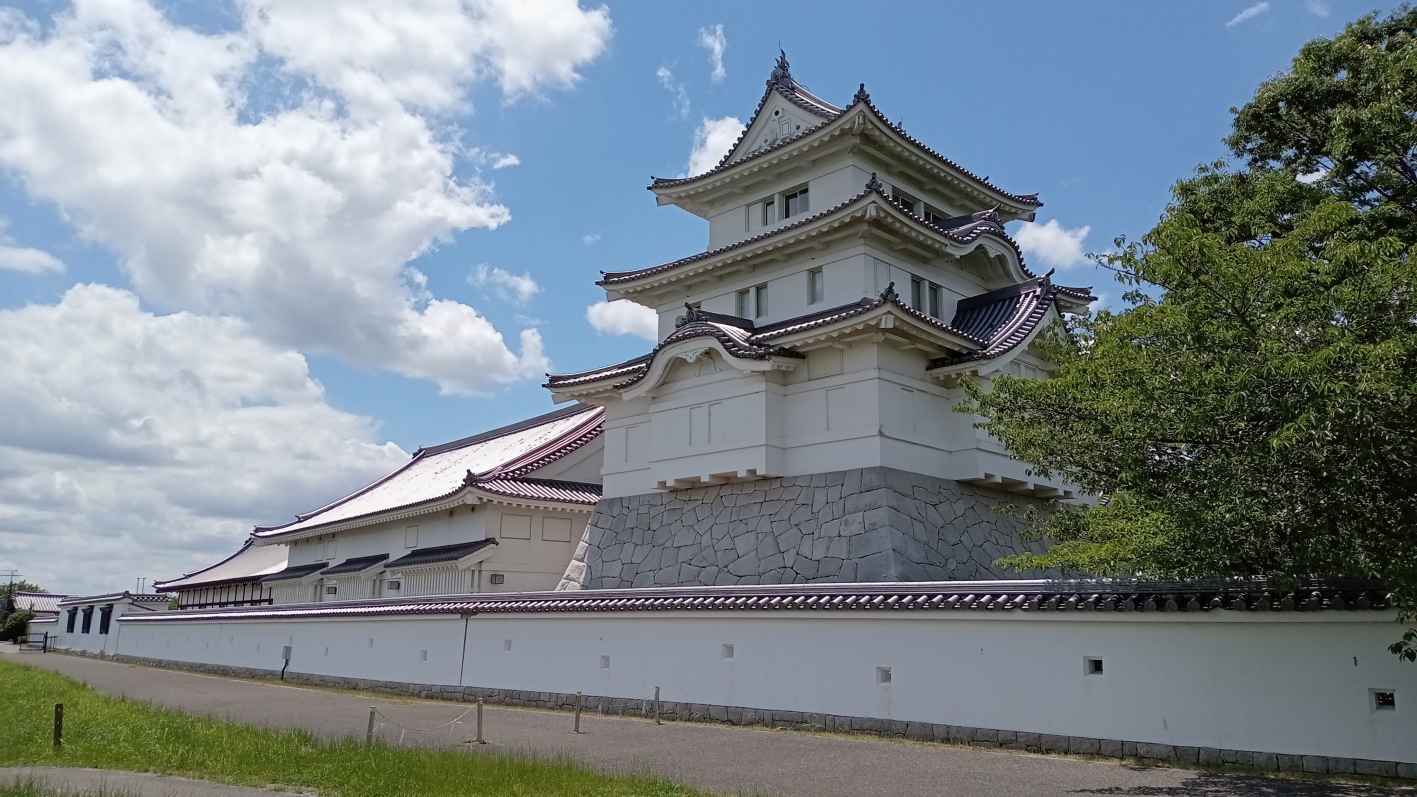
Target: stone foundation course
{"points": [[672, 711], [866, 524]]}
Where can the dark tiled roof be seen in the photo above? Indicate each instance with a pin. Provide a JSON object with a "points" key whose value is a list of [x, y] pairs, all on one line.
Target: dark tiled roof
{"points": [[114, 597], [996, 322], [597, 374], [440, 553], [861, 98], [1003, 319], [356, 565], [967, 231], [1044, 597], [294, 572], [543, 490]]}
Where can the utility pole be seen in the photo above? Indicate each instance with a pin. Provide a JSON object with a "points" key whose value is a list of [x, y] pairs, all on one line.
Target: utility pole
{"points": [[10, 596]]}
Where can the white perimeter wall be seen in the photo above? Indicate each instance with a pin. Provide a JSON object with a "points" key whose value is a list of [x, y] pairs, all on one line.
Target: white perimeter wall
{"points": [[1288, 683]]}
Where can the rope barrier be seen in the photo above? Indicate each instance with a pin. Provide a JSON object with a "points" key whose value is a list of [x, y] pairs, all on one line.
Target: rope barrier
{"points": [[448, 724]]}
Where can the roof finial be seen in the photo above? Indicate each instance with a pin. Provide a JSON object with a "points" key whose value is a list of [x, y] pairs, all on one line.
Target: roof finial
{"points": [[861, 95], [781, 75], [873, 184], [889, 294]]}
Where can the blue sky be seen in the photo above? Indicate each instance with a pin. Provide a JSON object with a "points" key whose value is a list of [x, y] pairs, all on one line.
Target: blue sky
{"points": [[298, 236]]}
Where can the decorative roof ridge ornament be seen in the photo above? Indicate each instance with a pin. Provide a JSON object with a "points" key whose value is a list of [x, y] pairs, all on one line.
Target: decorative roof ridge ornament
{"points": [[861, 95], [691, 315], [470, 479], [781, 75], [874, 184], [889, 294], [988, 214]]}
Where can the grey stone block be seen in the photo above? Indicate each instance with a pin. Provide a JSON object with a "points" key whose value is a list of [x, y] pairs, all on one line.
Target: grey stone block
{"points": [[1290, 763], [1111, 748], [1408, 771], [1381, 769]]}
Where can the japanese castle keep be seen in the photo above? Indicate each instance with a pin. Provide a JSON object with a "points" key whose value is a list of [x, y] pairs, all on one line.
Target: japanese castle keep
{"points": [[795, 423]]}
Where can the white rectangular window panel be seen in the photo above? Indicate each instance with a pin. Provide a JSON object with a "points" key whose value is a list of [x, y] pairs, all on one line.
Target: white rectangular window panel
{"points": [[743, 308], [319, 550], [823, 362], [410, 537], [516, 527], [760, 301], [635, 443], [698, 425], [935, 301], [556, 529], [769, 212], [330, 549], [816, 290], [716, 422], [917, 293], [838, 413]]}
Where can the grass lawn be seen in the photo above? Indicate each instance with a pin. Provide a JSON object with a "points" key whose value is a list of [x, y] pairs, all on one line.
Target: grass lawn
{"points": [[114, 733]]}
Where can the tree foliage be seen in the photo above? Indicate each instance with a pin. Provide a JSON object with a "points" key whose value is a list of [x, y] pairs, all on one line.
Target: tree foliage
{"points": [[1253, 410]]}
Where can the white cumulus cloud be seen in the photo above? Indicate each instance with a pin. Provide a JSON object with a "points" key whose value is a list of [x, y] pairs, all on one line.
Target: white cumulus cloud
{"points": [[1248, 14], [287, 171], [1052, 244], [678, 92], [135, 444], [517, 288], [590, 238], [23, 258], [712, 141], [623, 317], [713, 40]]}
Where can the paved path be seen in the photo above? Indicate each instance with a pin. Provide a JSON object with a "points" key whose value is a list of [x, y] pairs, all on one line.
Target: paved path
{"points": [[123, 784], [714, 758]]}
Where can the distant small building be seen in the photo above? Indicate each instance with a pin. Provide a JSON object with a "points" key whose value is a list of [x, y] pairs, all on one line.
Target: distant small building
{"points": [[85, 623], [234, 581], [42, 604]]}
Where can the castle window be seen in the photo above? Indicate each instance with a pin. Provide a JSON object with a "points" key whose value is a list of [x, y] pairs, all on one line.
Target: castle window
{"points": [[753, 302], [769, 212], [934, 215], [905, 199], [795, 203], [917, 293], [935, 300], [815, 289]]}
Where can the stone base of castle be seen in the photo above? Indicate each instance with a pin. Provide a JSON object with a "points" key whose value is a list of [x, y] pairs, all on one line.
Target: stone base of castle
{"points": [[865, 524]]}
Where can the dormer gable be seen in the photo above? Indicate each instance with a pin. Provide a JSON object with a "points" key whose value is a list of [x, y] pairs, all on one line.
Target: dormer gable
{"points": [[786, 110]]}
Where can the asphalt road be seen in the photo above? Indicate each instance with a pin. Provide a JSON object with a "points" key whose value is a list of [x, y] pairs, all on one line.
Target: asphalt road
{"points": [[714, 758]]}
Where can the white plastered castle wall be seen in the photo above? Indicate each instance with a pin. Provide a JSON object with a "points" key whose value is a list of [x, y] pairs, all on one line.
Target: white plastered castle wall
{"points": [[1293, 683]]}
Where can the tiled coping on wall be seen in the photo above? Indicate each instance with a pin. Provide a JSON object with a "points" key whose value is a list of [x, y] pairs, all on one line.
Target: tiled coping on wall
{"points": [[799, 720]]}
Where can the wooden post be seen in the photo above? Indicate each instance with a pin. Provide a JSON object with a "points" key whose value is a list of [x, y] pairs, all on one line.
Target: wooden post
{"points": [[58, 725], [656, 706], [369, 734], [578, 713], [480, 740]]}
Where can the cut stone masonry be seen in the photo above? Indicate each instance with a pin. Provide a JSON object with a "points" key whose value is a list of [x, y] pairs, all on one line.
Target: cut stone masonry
{"points": [[864, 524]]}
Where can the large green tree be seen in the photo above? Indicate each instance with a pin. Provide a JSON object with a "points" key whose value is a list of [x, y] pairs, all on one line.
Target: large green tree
{"points": [[1253, 410]]}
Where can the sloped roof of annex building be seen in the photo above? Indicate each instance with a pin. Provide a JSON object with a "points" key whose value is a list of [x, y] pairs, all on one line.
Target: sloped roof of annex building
{"points": [[249, 563], [782, 84], [37, 602], [495, 462]]}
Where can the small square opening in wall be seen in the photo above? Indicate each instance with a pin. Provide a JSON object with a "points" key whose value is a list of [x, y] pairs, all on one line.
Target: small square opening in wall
{"points": [[728, 651], [1384, 700], [1092, 665], [604, 662], [423, 655], [499, 578], [883, 675], [506, 646]]}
